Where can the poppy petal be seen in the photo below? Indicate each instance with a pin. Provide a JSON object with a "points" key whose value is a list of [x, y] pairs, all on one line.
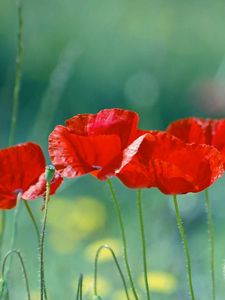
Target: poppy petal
{"points": [[20, 167], [75, 155], [39, 188], [174, 167], [115, 121], [218, 136], [7, 200], [191, 130], [200, 131], [93, 143]]}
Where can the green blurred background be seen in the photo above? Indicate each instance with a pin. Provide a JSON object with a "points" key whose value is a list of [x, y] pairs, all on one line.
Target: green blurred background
{"points": [[163, 59]]}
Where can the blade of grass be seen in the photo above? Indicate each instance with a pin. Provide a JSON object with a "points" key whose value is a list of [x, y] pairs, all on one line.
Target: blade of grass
{"points": [[51, 99], [18, 75], [16, 94]]}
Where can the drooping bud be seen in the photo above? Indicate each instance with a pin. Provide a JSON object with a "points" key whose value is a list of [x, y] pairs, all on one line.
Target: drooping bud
{"points": [[49, 173]]}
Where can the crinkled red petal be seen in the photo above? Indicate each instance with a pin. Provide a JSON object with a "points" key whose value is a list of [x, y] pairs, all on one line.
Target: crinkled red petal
{"points": [[200, 131], [218, 136], [191, 130], [174, 167], [74, 155], [38, 189], [115, 121]]}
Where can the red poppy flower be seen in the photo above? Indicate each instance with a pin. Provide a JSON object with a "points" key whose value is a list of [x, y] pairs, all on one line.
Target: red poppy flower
{"points": [[22, 169], [200, 131], [93, 143], [158, 159]]}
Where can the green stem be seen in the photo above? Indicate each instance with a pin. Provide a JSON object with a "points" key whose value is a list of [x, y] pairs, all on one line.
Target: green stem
{"points": [[42, 241], [36, 227], [15, 225], [32, 218], [117, 265], [16, 93], [143, 243], [18, 75], [3, 221], [181, 228], [119, 215], [14, 230], [211, 241], [80, 288], [23, 269]]}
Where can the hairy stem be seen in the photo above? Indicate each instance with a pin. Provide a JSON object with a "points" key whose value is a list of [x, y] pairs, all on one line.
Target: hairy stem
{"points": [[181, 228], [117, 265], [36, 227], [143, 243], [17, 252], [42, 243], [211, 242], [119, 215]]}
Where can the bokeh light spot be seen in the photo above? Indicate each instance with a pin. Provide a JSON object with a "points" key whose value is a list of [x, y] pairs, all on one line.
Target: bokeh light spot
{"points": [[120, 295], [160, 282], [142, 90], [73, 220]]}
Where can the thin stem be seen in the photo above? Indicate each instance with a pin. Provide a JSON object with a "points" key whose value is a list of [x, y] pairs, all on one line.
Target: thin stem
{"points": [[3, 221], [181, 228], [119, 215], [17, 252], [117, 265], [211, 241], [80, 288], [42, 241], [16, 93], [14, 230], [143, 243], [15, 225], [34, 222], [32, 218], [18, 75]]}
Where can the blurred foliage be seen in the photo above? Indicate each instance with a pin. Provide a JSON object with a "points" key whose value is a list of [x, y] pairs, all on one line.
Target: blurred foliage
{"points": [[157, 57], [164, 59]]}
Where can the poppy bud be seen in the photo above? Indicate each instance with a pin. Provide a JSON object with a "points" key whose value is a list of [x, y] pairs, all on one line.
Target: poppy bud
{"points": [[49, 173]]}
